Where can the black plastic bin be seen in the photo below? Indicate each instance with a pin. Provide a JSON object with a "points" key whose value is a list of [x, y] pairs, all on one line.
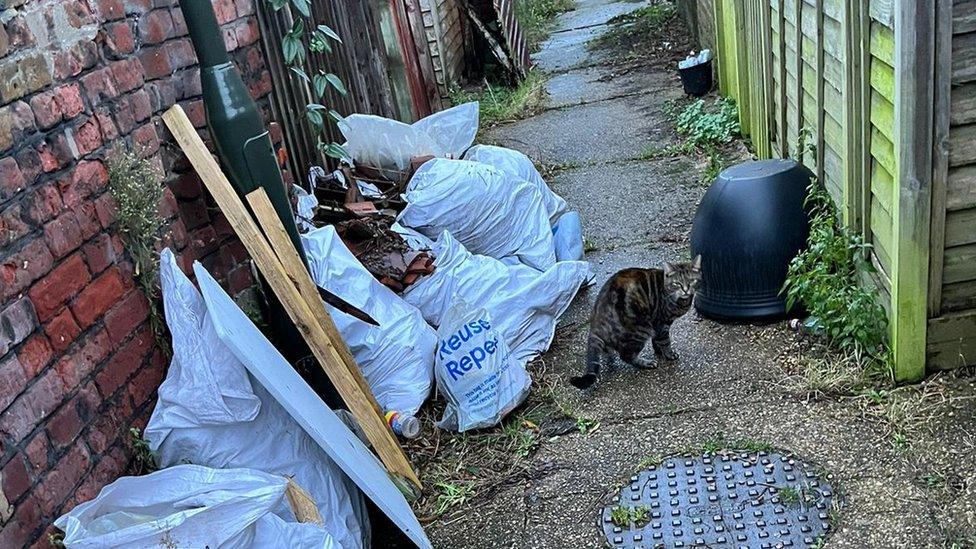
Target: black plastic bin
{"points": [[697, 80]]}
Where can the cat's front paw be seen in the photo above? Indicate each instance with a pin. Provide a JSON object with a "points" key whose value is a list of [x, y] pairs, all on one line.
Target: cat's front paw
{"points": [[669, 355]]}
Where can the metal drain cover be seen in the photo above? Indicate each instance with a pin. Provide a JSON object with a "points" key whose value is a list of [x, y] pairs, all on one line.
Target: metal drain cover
{"points": [[749, 500]]}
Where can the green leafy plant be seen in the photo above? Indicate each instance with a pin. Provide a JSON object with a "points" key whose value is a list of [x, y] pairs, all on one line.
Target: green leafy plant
{"points": [[826, 279], [144, 461], [304, 37], [625, 516], [707, 126], [136, 185], [502, 103]]}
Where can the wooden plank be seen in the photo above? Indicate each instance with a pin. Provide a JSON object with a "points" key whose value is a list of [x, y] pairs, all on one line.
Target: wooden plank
{"points": [[952, 341], [882, 186], [962, 145], [963, 109], [960, 228], [960, 264], [798, 72], [883, 150], [821, 109], [324, 427], [850, 30], [964, 16], [883, 80], [961, 188], [362, 405], [863, 98], [882, 11], [912, 215], [942, 91], [958, 297], [964, 58], [883, 116], [883, 44], [783, 85]]}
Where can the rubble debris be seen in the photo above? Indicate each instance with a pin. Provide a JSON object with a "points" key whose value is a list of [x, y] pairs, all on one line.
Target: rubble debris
{"points": [[384, 253]]}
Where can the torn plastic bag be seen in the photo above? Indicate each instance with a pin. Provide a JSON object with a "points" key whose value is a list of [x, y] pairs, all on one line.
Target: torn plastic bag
{"points": [[476, 373], [524, 303], [521, 167], [191, 506], [390, 144], [210, 412], [396, 357], [484, 209]]}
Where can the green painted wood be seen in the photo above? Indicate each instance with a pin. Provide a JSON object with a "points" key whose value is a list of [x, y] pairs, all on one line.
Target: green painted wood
{"points": [[950, 341]]}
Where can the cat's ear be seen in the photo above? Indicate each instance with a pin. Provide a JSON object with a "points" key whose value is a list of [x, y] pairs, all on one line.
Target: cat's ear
{"points": [[668, 268], [696, 263]]}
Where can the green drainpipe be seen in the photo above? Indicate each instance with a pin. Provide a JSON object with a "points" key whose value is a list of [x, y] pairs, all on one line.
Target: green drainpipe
{"points": [[246, 154]]}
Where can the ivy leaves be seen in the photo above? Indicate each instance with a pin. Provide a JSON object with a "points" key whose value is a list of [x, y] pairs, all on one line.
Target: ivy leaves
{"points": [[319, 40]]}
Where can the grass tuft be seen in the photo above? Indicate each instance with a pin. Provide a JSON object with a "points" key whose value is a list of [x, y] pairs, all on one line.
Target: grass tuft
{"points": [[536, 18], [501, 103]]}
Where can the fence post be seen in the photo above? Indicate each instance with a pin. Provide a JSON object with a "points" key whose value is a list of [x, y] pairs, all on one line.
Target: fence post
{"points": [[914, 100]]}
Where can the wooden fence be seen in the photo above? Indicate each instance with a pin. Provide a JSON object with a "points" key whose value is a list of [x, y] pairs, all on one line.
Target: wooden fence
{"points": [[884, 92], [383, 60]]}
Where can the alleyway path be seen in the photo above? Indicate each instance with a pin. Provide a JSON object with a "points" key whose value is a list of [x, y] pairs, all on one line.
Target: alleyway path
{"points": [[729, 379]]}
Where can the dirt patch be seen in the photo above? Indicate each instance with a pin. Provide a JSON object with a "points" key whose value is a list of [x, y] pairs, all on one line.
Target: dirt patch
{"points": [[653, 35]]}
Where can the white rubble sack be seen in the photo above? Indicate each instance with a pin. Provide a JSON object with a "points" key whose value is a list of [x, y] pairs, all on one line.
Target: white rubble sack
{"points": [[396, 357], [191, 506], [210, 412], [523, 302], [567, 234], [483, 208], [390, 144], [476, 373], [519, 166]]}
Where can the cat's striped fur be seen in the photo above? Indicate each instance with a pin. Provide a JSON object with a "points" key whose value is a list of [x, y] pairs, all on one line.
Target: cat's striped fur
{"points": [[636, 305]]}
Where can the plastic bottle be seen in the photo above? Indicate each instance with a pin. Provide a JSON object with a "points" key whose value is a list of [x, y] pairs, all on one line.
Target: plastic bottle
{"points": [[404, 425]]}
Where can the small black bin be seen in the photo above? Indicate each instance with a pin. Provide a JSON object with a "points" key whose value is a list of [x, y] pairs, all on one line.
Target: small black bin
{"points": [[750, 224], [697, 80]]}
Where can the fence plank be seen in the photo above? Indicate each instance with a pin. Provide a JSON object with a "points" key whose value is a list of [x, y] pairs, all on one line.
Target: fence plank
{"points": [[942, 91]]}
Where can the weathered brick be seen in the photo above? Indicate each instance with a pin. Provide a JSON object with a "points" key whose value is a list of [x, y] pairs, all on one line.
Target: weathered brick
{"points": [[126, 316], [88, 136], [63, 282], [53, 106], [110, 10], [145, 140], [143, 387], [62, 330], [19, 32], [43, 204], [106, 124], [37, 454], [88, 178], [137, 6], [16, 479], [72, 369], [56, 487], [179, 22], [11, 178], [20, 77], [230, 37], [75, 59], [196, 112], [17, 321], [98, 297], [12, 224], [156, 27], [26, 266], [35, 354], [177, 232], [77, 13], [239, 279], [99, 86], [105, 207], [31, 407], [120, 41], [244, 7], [180, 53], [225, 11], [127, 74], [194, 213], [124, 363], [12, 378], [100, 253], [155, 62], [4, 42], [246, 31], [63, 428], [63, 235], [110, 467]]}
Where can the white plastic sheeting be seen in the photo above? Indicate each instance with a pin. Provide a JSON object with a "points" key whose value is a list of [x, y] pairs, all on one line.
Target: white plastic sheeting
{"points": [[396, 357], [209, 412], [523, 302], [385, 143], [191, 506], [520, 168], [476, 372], [482, 208]]}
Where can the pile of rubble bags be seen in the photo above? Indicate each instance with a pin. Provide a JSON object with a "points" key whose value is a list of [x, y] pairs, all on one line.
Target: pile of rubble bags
{"points": [[211, 412], [481, 250]]}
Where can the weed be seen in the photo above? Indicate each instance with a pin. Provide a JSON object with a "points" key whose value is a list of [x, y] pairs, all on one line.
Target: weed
{"points": [[653, 460], [586, 426], [56, 538], [451, 495], [718, 444], [144, 459], [536, 16], [625, 516], [751, 445], [589, 246], [832, 375], [136, 185], [708, 126], [789, 495], [900, 442], [637, 32], [825, 279], [714, 167], [653, 152], [501, 103]]}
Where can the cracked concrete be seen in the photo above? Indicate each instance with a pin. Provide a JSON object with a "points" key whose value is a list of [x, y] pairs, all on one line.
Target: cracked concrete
{"points": [[729, 379]]}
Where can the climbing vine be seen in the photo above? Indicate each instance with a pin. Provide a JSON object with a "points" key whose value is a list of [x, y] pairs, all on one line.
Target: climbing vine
{"points": [[303, 37]]}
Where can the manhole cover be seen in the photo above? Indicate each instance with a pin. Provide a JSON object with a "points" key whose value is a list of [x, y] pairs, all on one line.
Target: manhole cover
{"points": [[750, 500]]}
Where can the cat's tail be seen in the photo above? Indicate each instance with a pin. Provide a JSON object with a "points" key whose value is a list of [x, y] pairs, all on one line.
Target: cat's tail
{"points": [[593, 354]]}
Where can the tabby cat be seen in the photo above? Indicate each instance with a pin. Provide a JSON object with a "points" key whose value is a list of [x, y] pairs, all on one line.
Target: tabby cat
{"points": [[636, 305]]}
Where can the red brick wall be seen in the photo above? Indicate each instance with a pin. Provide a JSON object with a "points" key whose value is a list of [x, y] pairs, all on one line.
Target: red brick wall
{"points": [[78, 366]]}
